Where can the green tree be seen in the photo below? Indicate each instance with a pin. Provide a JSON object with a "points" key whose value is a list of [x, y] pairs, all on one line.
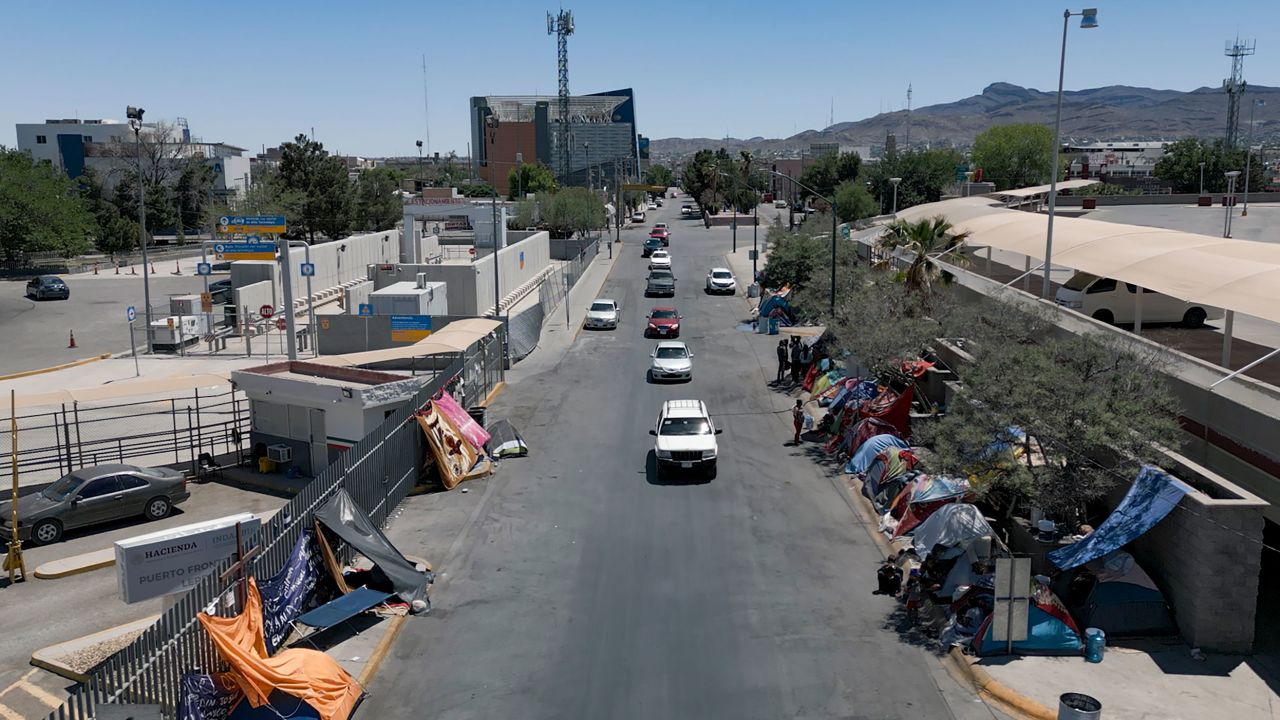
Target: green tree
{"points": [[854, 202], [40, 209], [265, 196], [925, 175], [162, 214], [660, 175], [1014, 156], [1180, 167], [317, 190], [828, 171], [112, 232], [476, 190], [924, 239], [794, 257], [573, 210], [193, 194], [528, 178], [377, 205]]}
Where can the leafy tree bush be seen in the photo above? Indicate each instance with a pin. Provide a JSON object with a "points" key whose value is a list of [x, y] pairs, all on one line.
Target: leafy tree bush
{"points": [[1180, 166], [1013, 156], [40, 209], [530, 178], [854, 202]]}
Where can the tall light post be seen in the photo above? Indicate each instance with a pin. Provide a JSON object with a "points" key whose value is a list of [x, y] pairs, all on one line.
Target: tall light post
{"points": [[419, 178], [586, 146], [1248, 155], [832, 205], [1202, 179], [1229, 200], [1088, 19], [135, 121], [894, 182]]}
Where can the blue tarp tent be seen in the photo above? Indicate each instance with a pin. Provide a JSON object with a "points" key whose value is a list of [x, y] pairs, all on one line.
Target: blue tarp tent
{"points": [[1153, 495], [874, 445], [1050, 630], [280, 704]]}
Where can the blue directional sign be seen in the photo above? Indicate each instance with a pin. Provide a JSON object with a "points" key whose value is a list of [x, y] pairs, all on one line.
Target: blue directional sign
{"points": [[130, 313], [204, 268], [366, 310], [410, 328], [307, 269], [246, 250], [251, 223]]}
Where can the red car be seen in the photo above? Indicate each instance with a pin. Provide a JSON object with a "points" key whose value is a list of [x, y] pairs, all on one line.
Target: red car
{"points": [[663, 322], [662, 234]]}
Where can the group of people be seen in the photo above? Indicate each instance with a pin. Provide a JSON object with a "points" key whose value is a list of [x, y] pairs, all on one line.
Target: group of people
{"points": [[795, 357]]}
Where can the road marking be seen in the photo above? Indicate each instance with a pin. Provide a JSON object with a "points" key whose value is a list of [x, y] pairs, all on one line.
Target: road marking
{"points": [[8, 713], [39, 693]]}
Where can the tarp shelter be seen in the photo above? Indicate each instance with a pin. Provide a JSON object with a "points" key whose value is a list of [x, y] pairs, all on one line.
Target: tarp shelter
{"points": [[953, 526], [860, 431], [344, 518], [924, 496], [467, 426], [874, 445], [892, 407], [279, 705], [505, 441], [307, 675], [1153, 495], [1050, 630], [454, 455], [1116, 596], [890, 464]]}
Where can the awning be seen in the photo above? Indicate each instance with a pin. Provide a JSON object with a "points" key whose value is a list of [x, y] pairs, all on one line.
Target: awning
{"points": [[1044, 189], [126, 389], [456, 337]]}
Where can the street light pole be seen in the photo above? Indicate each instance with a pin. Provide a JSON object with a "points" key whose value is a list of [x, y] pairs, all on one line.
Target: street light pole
{"points": [[1088, 19], [831, 204], [894, 182], [1229, 200], [755, 245], [1248, 155], [1201, 179], [135, 119]]}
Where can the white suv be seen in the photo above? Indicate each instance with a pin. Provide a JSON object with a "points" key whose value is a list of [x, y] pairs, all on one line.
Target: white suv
{"points": [[686, 438]]}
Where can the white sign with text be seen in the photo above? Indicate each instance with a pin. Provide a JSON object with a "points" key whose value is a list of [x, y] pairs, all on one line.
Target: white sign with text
{"points": [[174, 560]]}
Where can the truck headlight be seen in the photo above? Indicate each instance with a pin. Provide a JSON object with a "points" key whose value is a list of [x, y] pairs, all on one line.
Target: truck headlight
{"points": [[708, 454], [664, 454]]}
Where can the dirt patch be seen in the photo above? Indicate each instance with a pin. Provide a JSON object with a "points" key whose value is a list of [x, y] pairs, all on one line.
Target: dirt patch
{"points": [[86, 659]]}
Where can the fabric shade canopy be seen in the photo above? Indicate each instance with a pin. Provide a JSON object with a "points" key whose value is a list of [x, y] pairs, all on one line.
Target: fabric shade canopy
{"points": [[1044, 189], [456, 337]]}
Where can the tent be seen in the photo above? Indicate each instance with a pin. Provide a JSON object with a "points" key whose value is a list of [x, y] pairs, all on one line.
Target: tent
{"points": [[1050, 630], [889, 464], [1115, 595], [858, 431], [344, 518], [953, 526], [924, 496], [505, 441], [873, 446], [892, 407], [279, 704]]}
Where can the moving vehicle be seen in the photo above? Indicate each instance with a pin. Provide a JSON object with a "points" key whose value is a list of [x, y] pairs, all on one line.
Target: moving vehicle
{"points": [[686, 438], [661, 282], [662, 226], [95, 495], [637, 216], [1112, 302], [686, 210], [659, 259], [663, 322], [672, 360], [721, 280], [662, 234], [48, 287], [659, 201], [780, 204], [602, 315], [650, 245]]}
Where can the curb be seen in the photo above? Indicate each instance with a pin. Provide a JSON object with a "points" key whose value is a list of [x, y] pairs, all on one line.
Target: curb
{"points": [[55, 368], [996, 692], [381, 650], [45, 572], [497, 389], [46, 658]]}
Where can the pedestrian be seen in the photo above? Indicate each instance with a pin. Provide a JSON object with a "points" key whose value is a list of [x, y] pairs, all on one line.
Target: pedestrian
{"points": [[795, 360], [806, 359], [782, 362], [797, 420], [889, 577], [914, 596]]}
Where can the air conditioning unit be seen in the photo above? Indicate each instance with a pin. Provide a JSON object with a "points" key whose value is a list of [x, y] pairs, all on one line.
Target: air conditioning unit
{"points": [[279, 453]]}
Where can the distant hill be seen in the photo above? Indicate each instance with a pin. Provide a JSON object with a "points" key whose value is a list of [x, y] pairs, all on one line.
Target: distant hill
{"points": [[1115, 112]]}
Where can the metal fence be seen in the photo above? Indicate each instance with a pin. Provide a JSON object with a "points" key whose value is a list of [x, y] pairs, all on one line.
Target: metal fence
{"points": [[153, 432], [525, 328], [377, 472]]}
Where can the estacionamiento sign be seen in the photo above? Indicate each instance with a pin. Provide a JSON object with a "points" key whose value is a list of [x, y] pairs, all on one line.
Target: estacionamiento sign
{"points": [[173, 560]]}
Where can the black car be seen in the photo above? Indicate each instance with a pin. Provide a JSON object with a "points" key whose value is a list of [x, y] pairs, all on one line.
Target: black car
{"points": [[651, 244], [661, 282], [45, 287], [95, 495]]}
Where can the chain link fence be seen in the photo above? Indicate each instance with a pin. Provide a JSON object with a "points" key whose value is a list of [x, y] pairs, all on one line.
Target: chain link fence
{"points": [[525, 328]]}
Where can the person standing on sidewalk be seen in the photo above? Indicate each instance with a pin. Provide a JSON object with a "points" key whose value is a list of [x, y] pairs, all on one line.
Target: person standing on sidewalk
{"points": [[797, 420], [795, 361], [806, 359], [782, 362]]}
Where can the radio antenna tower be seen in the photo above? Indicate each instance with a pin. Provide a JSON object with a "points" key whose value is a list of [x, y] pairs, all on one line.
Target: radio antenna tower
{"points": [[1235, 86], [561, 25], [831, 120], [906, 140]]}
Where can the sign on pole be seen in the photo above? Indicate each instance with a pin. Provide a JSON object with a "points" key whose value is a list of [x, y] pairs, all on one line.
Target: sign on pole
{"points": [[251, 224], [366, 310], [131, 313], [245, 250], [1012, 596], [410, 328], [206, 302], [266, 311], [281, 323], [307, 269], [173, 560], [204, 268]]}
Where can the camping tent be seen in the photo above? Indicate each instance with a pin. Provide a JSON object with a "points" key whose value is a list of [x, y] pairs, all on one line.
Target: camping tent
{"points": [[873, 446], [890, 464], [1050, 630], [345, 519], [892, 407], [922, 497], [859, 430], [952, 526], [1115, 595], [505, 441]]}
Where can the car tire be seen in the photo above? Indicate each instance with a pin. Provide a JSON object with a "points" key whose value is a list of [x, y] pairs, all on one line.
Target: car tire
{"points": [[711, 471], [46, 532], [1104, 316], [1194, 318], [158, 508]]}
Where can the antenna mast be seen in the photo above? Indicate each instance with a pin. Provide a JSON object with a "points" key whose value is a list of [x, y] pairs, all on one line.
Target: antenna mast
{"points": [[561, 25], [1235, 86], [906, 141], [426, 105]]}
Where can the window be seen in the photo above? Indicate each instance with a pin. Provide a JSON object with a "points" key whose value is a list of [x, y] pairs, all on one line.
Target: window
{"points": [[88, 138], [100, 487], [1102, 286], [1134, 288], [64, 487], [41, 140], [671, 353], [685, 426], [131, 482]]}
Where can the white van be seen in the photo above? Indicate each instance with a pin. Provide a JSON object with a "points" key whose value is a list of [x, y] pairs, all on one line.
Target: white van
{"points": [[1113, 302]]}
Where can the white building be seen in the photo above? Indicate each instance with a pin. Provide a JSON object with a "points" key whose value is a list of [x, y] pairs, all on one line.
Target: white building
{"points": [[1115, 159]]}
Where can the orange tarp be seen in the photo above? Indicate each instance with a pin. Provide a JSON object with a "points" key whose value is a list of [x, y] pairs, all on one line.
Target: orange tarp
{"points": [[453, 454], [308, 675]]}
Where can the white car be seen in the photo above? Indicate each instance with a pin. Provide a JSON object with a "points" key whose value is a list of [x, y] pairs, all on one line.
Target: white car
{"points": [[1114, 302], [637, 216], [653, 205], [602, 315], [686, 438], [686, 210], [780, 204], [672, 360], [660, 259], [720, 280]]}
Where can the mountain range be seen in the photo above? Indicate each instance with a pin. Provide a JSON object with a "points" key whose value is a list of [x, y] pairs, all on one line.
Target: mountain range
{"points": [[1115, 112]]}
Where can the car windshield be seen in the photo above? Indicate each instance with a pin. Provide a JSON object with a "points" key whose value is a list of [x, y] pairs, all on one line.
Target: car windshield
{"points": [[601, 307], [685, 426], [661, 254], [60, 490], [1079, 281], [672, 353], [659, 274], [721, 274], [663, 314]]}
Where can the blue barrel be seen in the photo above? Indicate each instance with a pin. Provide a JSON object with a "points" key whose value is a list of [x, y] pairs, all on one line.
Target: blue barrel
{"points": [[773, 326], [1095, 644]]}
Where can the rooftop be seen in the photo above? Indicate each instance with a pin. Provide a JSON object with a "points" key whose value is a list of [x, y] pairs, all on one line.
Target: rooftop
{"points": [[318, 374]]}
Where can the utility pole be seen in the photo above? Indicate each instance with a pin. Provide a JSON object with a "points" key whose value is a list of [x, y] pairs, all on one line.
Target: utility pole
{"points": [[135, 119]]}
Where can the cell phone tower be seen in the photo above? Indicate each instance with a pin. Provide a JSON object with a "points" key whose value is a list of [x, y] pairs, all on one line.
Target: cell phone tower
{"points": [[561, 25], [1235, 86]]}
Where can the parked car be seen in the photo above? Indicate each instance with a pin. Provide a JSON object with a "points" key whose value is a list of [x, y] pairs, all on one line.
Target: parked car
{"points": [[659, 201], [650, 245], [663, 322], [1110, 301], [94, 495], [47, 287], [661, 282], [721, 280], [662, 234], [672, 360], [603, 314], [637, 216], [686, 438], [686, 210], [659, 259]]}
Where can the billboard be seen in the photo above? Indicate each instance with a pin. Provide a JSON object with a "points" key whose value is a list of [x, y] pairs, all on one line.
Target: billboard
{"points": [[174, 560]]}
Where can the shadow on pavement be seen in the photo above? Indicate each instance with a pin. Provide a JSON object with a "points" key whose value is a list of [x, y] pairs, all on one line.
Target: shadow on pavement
{"points": [[671, 477]]}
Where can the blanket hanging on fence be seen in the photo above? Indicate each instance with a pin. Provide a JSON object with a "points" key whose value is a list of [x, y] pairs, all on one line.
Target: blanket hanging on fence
{"points": [[290, 592], [461, 419], [454, 456]]}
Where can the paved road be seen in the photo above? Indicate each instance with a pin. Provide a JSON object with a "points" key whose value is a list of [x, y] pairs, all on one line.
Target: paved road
{"points": [[586, 588], [36, 332]]}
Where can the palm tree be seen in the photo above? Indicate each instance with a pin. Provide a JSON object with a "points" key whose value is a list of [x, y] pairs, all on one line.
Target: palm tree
{"points": [[925, 239]]}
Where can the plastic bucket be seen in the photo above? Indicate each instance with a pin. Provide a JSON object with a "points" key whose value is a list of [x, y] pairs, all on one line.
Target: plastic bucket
{"points": [[1095, 644], [1078, 706], [753, 290]]}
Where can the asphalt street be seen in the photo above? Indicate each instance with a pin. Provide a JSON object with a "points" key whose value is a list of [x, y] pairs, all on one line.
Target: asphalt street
{"points": [[37, 331], [586, 587]]}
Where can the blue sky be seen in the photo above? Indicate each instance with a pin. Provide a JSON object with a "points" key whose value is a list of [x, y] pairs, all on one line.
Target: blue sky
{"points": [[255, 73]]}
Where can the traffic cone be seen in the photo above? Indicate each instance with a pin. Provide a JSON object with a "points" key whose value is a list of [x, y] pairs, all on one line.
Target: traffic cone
{"points": [[133, 270], [177, 269], [153, 268], [72, 343]]}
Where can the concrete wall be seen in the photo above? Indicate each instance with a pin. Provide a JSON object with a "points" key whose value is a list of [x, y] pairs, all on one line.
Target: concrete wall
{"points": [[342, 334], [354, 296], [470, 283], [1179, 199], [255, 296]]}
